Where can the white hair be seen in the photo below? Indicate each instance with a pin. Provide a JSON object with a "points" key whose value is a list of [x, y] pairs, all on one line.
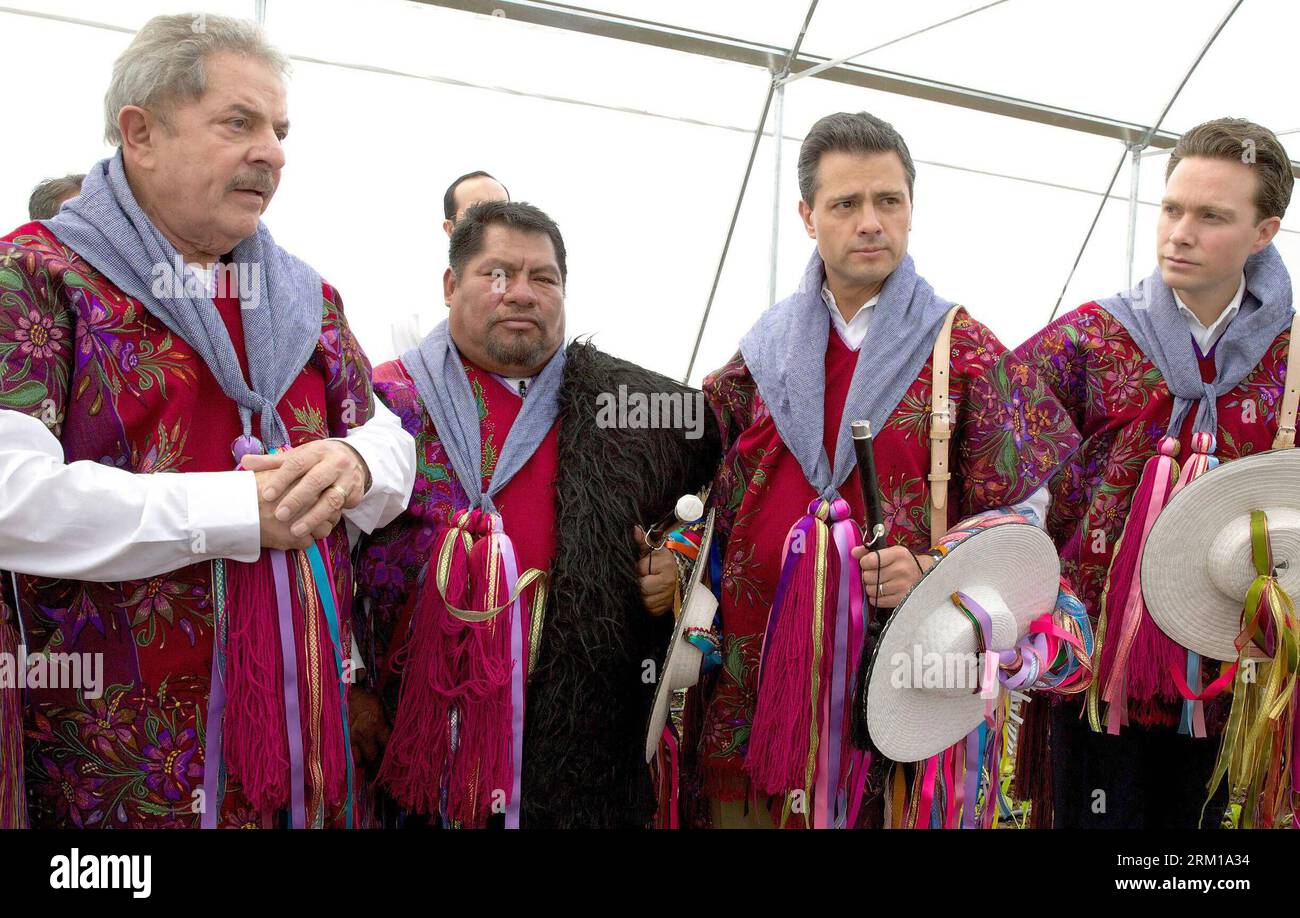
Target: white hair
{"points": [[164, 63]]}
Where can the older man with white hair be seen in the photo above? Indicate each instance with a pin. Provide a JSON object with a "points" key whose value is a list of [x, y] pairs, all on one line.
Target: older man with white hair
{"points": [[154, 326]]}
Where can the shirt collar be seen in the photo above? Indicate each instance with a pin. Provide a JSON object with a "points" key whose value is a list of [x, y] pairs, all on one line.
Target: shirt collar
{"points": [[829, 299], [1213, 330], [512, 383]]}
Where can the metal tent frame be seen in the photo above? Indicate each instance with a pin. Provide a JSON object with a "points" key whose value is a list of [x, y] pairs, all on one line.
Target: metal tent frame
{"points": [[788, 65]]}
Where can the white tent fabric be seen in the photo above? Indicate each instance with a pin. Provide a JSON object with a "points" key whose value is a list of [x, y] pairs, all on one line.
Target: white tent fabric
{"points": [[638, 151]]}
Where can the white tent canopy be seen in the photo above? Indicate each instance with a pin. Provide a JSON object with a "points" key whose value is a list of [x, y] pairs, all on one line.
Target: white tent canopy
{"points": [[631, 123]]}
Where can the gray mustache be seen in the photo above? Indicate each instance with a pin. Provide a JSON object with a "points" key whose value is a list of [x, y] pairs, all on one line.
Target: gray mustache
{"points": [[255, 181]]}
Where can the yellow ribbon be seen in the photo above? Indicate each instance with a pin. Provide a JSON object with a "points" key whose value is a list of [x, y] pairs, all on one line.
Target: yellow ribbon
{"points": [[1247, 756]]}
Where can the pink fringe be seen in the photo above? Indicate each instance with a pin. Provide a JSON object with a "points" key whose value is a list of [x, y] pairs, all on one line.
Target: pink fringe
{"points": [[482, 761], [452, 664], [420, 745], [777, 757], [1153, 652], [255, 740]]}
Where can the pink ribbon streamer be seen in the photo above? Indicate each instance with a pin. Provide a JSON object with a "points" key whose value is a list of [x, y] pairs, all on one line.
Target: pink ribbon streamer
{"points": [[518, 663], [292, 717], [925, 805], [832, 808], [1116, 693]]}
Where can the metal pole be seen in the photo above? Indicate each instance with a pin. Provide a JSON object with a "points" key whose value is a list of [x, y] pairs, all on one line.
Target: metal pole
{"points": [[1135, 173], [830, 65], [778, 139], [1142, 145], [740, 198]]}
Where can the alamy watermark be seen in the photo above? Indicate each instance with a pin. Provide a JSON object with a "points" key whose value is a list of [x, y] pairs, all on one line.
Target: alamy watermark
{"points": [[81, 671], [651, 411], [921, 669], [234, 280], [103, 871]]}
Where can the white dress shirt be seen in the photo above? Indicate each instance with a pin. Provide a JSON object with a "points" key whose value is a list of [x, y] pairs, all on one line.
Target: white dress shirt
{"points": [[1208, 336], [87, 521], [854, 331]]}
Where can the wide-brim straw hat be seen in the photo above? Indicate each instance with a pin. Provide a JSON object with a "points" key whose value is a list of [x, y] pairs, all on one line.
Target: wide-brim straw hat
{"points": [[923, 693], [1197, 566]]}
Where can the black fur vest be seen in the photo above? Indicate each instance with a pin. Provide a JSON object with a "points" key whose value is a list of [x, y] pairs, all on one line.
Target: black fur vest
{"points": [[588, 703]]}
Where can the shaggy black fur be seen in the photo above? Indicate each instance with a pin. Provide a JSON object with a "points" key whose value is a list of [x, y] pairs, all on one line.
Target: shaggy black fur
{"points": [[584, 762]]}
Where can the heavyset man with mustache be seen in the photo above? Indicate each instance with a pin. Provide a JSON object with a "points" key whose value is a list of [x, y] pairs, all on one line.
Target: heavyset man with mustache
{"points": [[519, 617]]}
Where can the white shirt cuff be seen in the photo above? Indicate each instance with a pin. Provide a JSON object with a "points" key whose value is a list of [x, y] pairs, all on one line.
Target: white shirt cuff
{"points": [[389, 453], [221, 508]]}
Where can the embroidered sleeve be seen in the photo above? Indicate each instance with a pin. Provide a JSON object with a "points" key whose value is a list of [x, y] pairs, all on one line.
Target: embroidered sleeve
{"points": [[391, 561], [37, 336], [1013, 433], [1059, 354], [732, 395], [348, 389]]}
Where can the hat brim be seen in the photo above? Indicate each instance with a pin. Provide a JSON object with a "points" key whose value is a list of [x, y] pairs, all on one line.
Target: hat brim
{"points": [[681, 667], [1178, 584], [909, 723]]}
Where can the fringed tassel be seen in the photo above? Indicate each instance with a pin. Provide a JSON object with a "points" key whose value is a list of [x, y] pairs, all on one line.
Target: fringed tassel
{"points": [[1135, 653], [785, 733], [13, 797], [420, 747], [256, 741], [462, 659], [480, 773]]}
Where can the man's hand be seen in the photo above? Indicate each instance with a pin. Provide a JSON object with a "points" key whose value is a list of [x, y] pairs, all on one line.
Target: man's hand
{"points": [[888, 575], [658, 573], [277, 534], [368, 726], [313, 484]]}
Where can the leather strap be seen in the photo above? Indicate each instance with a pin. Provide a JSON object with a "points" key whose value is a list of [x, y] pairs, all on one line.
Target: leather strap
{"points": [[1285, 438], [942, 423]]}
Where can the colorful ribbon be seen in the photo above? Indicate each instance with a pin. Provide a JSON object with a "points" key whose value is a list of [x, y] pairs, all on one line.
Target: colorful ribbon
{"points": [[1257, 752]]}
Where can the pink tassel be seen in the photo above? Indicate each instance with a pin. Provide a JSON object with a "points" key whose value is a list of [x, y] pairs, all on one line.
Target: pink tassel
{"points": [[1136, 654], [255, 739], [481, 768], [1201, 461], [455, 665], [420, 745], [779, 741], [13, 797]]}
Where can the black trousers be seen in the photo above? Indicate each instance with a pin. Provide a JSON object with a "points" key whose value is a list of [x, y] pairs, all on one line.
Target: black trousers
{"points": [[1141, 779]]}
